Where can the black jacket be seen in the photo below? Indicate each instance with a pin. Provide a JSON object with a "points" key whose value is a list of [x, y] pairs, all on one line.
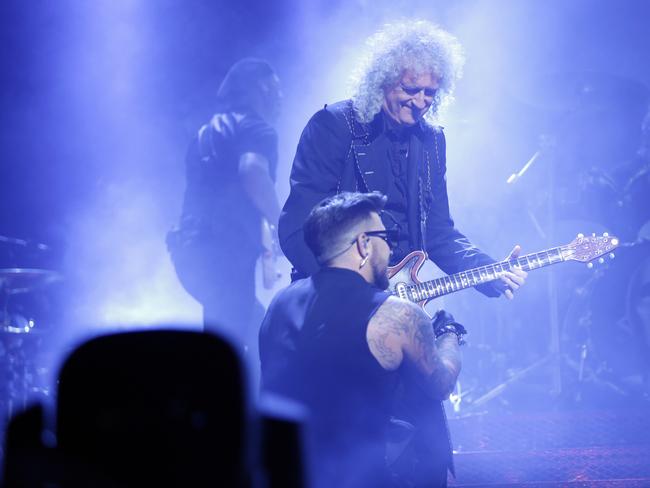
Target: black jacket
{"points": [[338, 153]]}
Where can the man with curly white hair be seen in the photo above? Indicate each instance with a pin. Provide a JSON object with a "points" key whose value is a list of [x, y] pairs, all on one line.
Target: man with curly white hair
{"points": [[385, 138]]}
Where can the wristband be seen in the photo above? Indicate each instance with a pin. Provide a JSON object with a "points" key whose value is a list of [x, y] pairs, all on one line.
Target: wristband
{"points": [[451, 328]]}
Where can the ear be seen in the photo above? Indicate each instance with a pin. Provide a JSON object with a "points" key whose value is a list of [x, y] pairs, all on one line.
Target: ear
{"points": [[363, 245]]}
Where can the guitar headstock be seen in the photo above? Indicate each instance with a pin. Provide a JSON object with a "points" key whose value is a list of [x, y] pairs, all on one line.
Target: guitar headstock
{"points": [[587, 248]]}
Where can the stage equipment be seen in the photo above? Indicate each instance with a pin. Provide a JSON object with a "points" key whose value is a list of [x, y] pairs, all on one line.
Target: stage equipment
{"points": [[20, 339]]}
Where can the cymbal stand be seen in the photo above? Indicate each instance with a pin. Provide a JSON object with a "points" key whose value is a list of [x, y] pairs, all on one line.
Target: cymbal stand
{"points": [[545, 149], [554, 320], [553, 355]]}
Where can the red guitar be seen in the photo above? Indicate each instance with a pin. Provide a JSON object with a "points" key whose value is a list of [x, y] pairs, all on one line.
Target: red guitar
{"points": [[404, 276]]}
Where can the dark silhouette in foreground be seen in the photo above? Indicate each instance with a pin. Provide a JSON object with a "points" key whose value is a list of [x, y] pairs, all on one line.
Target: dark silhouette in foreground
{"points": [[154, 408]]}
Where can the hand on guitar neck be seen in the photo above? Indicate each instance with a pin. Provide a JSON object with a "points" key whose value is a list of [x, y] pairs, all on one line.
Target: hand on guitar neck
{"points": [[514, 279]]}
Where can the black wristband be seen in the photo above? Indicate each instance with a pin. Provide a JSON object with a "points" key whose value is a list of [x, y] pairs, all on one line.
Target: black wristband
{"points": [[451, 328]]}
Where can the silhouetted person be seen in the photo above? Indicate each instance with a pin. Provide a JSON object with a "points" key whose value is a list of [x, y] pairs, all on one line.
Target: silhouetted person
{"points": [[27, 462], [230, 173], [156, 408]]}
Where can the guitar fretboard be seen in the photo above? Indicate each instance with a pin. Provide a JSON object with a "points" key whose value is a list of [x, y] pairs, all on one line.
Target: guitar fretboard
{"points": [[483, 274]]}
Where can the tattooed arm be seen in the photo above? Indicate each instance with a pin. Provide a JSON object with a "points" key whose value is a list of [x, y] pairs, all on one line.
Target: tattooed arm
{"points": [[400, 330]]}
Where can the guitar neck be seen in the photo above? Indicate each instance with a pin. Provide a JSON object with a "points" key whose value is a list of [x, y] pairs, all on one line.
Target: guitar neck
{"points": [[483, 274]]}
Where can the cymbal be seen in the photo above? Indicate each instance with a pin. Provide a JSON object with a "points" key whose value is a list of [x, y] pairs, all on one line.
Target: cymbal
{"points": [[14, 241], [23, 280]]}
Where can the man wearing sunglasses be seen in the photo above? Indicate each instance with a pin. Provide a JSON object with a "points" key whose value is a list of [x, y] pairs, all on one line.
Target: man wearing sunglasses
{"points": [[340, 344]]}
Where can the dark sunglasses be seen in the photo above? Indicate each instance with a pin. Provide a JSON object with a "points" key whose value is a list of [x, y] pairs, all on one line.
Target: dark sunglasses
{"points": [[390, 236]]}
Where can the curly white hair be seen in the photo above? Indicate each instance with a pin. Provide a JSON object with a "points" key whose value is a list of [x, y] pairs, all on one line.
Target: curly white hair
{"points": [[419, 46]]}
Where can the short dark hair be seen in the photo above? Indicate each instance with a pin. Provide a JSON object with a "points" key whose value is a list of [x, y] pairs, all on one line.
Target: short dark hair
{"points": [[330, 222], [242, 77]]}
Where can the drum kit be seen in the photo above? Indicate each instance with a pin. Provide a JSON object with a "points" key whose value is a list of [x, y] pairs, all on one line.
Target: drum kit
{"points": [[590, 173], [601, 173], [21, 331]]}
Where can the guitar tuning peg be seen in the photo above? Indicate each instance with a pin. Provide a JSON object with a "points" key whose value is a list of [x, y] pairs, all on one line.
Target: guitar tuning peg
{"points": [[590, 265], [605, 234], [612, 255], [601, 260], [581, 235]]}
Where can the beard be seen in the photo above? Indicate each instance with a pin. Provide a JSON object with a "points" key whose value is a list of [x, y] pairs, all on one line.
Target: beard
{"points": [[380, 273]]}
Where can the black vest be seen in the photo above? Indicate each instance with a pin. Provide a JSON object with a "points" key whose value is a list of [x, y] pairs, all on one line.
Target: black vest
{"points": [[313, 349]]}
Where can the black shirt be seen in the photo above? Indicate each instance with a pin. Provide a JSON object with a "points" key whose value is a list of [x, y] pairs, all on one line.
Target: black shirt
{"points": [[215, 202], [314, 350]]}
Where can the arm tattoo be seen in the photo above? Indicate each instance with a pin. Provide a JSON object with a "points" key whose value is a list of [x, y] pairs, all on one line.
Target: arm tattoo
{"points": [[404, 328], [387, 331], [450, 358], [387, 356], [439, 362]]}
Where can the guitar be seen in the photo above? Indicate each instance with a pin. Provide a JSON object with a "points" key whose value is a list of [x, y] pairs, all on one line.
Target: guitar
{"points": [[268, 259], [404, 282]]}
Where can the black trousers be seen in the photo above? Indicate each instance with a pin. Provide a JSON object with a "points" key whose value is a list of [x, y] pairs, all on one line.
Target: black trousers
{"points": [[221, 277]]}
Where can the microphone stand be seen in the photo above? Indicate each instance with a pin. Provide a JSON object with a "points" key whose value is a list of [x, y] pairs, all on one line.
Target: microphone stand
{"points": [[553, 356]]}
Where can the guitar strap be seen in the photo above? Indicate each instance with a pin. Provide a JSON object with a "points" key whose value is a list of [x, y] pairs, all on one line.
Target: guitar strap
{"points": [[419, 175], [358, 150], [416, 222], [425, 193]]}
